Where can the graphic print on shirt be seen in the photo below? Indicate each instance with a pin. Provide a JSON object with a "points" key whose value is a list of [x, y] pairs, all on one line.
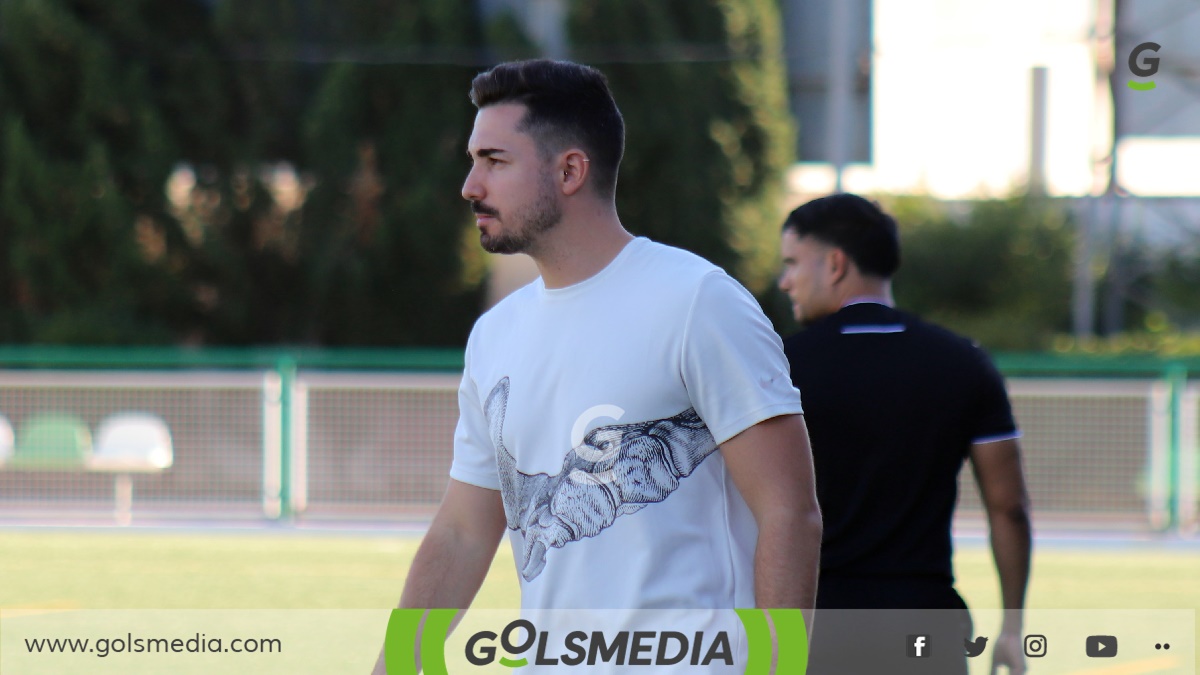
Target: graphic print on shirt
{"points": [[617, 470]]}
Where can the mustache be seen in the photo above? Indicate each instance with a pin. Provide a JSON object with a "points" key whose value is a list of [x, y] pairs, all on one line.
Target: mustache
{"points": [[479, 208]]}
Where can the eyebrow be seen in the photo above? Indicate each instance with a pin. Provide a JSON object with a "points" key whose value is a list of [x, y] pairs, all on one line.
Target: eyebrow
{"points": [[484, 152]]}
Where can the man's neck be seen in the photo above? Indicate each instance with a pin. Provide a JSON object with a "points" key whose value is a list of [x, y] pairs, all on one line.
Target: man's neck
{"points": [[870, 299], [578, 248], [867, 289]]}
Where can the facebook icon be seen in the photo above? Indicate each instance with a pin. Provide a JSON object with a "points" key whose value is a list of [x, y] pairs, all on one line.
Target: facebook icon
{"points": [[917, 646]]}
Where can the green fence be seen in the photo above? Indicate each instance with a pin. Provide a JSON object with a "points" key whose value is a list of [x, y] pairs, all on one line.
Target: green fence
{"points": [[1106, 435], [253, 431], [368, 433]]}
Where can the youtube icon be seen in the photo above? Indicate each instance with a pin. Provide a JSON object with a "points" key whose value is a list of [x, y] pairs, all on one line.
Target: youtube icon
{"points": [[1101, 646]]}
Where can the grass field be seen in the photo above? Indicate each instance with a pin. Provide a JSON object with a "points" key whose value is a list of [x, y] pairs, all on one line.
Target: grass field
{"points": [[108, 569], [263, 569]]}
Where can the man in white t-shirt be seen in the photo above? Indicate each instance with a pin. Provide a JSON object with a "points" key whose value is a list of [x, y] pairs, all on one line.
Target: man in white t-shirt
{"points": [[629, 416]]}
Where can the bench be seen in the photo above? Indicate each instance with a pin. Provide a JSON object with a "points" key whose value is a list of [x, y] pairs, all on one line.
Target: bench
{"points": [[125, 443]]}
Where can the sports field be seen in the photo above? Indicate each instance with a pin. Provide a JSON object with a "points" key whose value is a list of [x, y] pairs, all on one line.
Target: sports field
{"points": [[107, 569], [288, 569]]}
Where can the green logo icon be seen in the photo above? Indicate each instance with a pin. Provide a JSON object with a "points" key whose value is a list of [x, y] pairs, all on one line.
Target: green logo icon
{"points": [[789, 631], [400, 645], [791, 652]]}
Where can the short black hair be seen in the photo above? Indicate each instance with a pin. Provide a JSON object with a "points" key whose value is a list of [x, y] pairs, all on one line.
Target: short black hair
{"points": [[566, 103], [857, 226]]}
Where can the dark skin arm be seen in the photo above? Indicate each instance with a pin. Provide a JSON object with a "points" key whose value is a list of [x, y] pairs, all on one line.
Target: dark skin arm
{"points": [[997, 468]]}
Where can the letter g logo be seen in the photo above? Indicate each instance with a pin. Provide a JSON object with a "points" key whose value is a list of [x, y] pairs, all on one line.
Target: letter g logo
{"points": [[1150, 69]]}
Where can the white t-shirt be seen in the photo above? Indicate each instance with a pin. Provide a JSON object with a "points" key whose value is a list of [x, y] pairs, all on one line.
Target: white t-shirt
{"points": [[597, 410]]}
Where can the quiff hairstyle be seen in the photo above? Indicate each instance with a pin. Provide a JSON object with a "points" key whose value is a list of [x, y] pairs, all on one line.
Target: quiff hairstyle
{"points": [[567, 104]]}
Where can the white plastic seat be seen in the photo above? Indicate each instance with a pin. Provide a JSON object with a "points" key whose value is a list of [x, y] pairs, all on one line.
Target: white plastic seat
{"points": [[132, 442], [7, 440], [126, 443]]}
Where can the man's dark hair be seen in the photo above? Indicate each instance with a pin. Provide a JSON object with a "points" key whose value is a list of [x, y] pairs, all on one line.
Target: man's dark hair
{"points": [[566, 104], [857, 226]]}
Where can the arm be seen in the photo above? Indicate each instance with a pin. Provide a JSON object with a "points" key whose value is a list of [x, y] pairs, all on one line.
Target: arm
{"points": [[771, 465], [1001, 482], [456, 552], [458, 549]]}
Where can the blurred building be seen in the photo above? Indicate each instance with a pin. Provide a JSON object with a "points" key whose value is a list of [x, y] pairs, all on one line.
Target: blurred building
{"points": [[952, 97], [986, 99], [830, 59]]}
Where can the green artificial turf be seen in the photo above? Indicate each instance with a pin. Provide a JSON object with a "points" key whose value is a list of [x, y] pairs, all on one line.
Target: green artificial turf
{"points": [[109, 569]]}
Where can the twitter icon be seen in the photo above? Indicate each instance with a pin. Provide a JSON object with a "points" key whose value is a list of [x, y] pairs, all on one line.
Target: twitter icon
{"points": [[974, 648]]}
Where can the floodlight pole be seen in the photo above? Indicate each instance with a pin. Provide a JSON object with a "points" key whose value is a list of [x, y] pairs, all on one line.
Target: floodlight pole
{"points": [[838, 95], [1083, 304], [1037, 135]]}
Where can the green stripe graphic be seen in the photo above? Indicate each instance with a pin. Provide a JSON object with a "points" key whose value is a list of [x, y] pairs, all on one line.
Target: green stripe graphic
{"points": [[758, 641], [400, 643], [433, 641], [792, 637], [1141, 86]]}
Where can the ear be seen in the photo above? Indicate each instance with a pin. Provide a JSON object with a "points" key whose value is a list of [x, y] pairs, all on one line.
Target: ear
{"points": [[573, 171], [838, 263]]}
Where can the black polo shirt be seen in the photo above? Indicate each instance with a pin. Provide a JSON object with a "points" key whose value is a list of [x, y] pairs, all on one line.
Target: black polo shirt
{"points": [[893, 404]]}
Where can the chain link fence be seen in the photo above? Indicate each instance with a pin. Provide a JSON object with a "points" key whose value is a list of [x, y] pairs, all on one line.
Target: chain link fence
{"points": [[369, 435]]}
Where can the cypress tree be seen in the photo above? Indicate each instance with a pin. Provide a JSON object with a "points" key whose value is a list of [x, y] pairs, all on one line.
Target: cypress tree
{"points": [[249, 266], [702, 88], [1025, 246], [98, 100], [385, 230]]}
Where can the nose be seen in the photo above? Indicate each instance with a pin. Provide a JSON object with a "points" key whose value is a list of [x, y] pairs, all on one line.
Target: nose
{"points": [[472, 189], [783, 281]]}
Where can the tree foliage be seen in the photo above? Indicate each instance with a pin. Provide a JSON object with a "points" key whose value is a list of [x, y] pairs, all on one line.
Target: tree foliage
{"points": [[371, 255], [97, 103], [702, 89], [385, 224], [1173, 289], [998, 271], [145, 145]]}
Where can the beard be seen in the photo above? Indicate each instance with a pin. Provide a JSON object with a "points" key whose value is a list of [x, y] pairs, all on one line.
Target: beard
{"points": [[532, 219]]}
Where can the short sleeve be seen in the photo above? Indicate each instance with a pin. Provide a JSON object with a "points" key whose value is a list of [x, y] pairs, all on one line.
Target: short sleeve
{"points": [[732, 360], [994, 419], [474, 457]]}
